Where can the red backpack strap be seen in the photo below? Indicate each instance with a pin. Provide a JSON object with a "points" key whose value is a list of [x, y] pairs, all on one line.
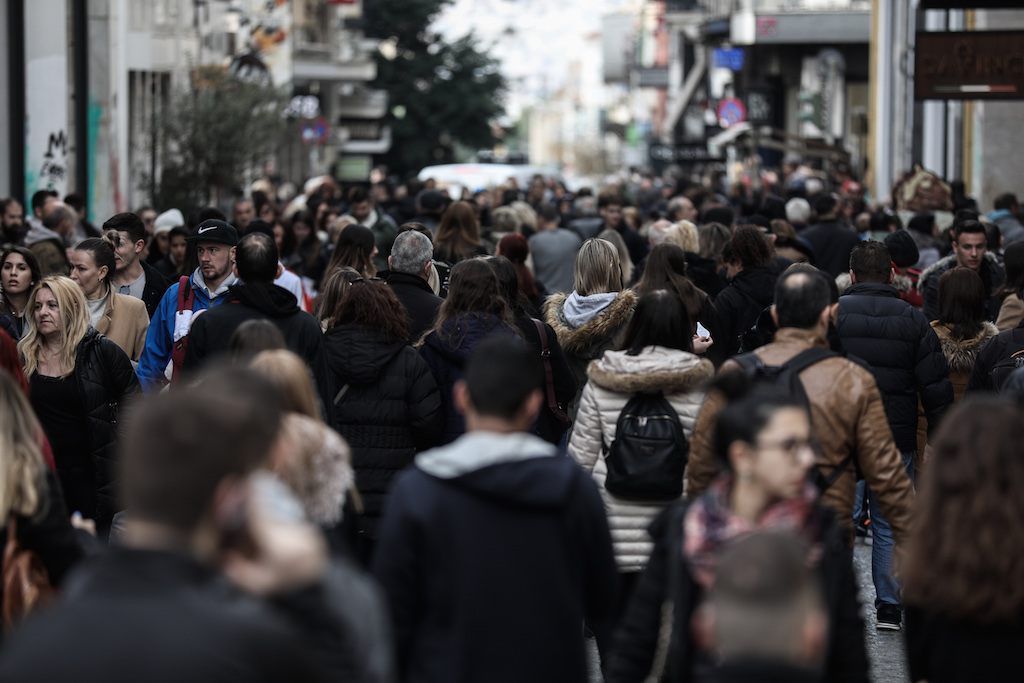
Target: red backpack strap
{"points": [[186, 298]]}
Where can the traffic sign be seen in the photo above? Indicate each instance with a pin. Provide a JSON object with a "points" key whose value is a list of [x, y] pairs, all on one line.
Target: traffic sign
{"points": [[731, 111]]}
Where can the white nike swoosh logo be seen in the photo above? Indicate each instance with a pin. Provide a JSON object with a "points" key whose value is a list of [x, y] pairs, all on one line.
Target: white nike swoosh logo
{"points": [[202, 230]]}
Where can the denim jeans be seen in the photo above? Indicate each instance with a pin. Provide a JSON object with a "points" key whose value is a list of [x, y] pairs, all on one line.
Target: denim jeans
{"points": [[887, 589]]}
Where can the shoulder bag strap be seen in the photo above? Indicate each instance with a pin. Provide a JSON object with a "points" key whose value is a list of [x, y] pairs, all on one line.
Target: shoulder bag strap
{"points": [[545, 354]]}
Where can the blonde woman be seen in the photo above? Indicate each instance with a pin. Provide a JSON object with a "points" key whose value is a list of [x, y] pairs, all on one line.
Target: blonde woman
{"points": [[593, 317], [121, 319], [317, 465], [625, 262], [684, 234], [79, 378], [41, 521]]}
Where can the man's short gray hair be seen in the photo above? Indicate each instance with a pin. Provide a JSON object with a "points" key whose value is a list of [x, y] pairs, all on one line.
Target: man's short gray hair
{"points": [[410, 253]]}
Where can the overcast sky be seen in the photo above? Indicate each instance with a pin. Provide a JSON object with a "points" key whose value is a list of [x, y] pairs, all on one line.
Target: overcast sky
{"points": [[534, 39]]}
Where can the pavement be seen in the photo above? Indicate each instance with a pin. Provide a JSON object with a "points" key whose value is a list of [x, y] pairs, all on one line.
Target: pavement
{"points": [[885, 649]]}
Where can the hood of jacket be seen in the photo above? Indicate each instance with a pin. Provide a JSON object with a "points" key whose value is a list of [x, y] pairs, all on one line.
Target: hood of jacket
{"points": [[597, 330], [517, 468], [580, 310], [757, 284], [269, 299], [961, 354], [457, 337], [656, 368], [39, 233], [357, 355], [947, 262]]}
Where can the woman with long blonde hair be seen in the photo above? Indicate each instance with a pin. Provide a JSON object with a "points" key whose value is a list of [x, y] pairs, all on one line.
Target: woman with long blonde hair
{"points": [[79, 379], [593, 317]]}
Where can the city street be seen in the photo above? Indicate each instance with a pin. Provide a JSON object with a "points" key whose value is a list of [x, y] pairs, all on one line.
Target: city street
{"points": [[885, 648]]}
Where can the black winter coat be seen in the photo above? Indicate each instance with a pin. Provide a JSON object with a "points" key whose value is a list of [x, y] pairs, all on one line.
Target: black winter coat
{"points": [[736, 310], [564, 383], [637, 636], [156, 285], [134, 615], [106, 382], [945, 650], [446, 351], [419, 300], [904, 353], [995, 349], [391, 409], [210, 335]]}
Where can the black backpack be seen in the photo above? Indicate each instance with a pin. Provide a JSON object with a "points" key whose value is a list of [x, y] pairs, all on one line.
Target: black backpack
{"points": [[1013, 358], [647, 459], [784, 380]]}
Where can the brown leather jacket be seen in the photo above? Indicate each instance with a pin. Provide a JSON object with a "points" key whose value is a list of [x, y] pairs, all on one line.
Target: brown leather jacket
{"points": [[847, 413]]}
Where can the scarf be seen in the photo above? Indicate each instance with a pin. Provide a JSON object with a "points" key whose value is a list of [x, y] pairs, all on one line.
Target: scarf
{"points": [[710, 524]]}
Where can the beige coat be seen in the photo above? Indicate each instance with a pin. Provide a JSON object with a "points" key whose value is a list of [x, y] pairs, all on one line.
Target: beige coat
{"points": [[848, 416], [614, 379], [125, 323], [1010, 313]]}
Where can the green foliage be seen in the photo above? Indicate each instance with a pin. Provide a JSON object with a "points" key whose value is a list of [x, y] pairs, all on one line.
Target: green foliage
{"points": [[450, 92], [210, 138]]}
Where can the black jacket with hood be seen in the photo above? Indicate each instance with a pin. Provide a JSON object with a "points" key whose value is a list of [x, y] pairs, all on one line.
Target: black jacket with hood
{"points": [[736, 310], [390, 410], [488, 541], [210, 335]]}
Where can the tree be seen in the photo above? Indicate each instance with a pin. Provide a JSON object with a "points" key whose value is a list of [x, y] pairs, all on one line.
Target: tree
{"points": [[441, 94], [211, 137]]}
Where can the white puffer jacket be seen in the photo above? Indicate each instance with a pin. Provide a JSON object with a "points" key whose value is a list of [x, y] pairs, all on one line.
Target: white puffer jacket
{"points": [[613, 380]]}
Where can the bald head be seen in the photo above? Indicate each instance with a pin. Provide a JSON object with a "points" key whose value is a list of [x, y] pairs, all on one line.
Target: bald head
{"points": [[800, 298], [60, 218]]}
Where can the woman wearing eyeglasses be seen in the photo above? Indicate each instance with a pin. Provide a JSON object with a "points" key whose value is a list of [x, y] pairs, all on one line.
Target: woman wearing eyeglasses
{"points": [[765, 447]]}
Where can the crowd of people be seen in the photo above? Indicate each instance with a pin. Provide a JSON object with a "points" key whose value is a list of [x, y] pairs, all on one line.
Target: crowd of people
{"points": [[382, 433]]}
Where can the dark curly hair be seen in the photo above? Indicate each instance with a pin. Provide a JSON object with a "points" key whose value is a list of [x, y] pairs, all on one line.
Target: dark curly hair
{"points": [[749, 247]]}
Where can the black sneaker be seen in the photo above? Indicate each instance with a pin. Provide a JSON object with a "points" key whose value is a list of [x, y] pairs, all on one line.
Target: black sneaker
{"points": [[862, 525], [888, 618]]}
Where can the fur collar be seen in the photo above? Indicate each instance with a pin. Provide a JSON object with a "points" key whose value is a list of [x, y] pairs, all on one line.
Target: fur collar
{"points": [[901, 283], [597, 331], [943, 264], [961, 354], [674, 372]]}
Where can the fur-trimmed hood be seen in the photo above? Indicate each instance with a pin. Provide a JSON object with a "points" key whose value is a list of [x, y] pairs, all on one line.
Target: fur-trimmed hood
{"points": [[943, 264], [656, 368], [607, 324], [901, 283], [961, 354]]}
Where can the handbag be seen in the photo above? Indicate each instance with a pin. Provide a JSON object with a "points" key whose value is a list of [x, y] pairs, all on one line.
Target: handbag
{"points": [[26, 582], [561, 418]]}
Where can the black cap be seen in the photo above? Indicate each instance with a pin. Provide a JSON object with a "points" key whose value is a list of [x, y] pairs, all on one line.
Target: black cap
{"points": [[213, 230]]}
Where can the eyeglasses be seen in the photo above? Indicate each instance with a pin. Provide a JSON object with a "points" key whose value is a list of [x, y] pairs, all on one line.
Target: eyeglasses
{"points": [[792, 447]]}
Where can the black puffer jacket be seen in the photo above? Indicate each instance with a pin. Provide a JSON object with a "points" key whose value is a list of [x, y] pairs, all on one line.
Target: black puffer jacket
{"points": [[106, 383], [736, 310], [904, 353], [668, 575], [390, 410]]}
